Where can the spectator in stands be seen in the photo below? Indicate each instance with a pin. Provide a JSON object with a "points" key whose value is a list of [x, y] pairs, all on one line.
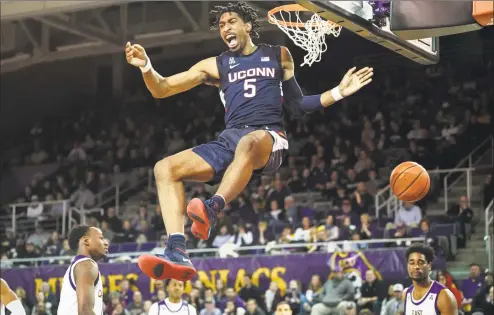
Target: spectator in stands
{"points": [[211, 309], [302, 234], [445, 278], [488, 303], [373, 292], [295, 297], [232, 309], [107, 232], [394, 302], [128, 234], [272, 297], [462, 214], [137, 305], [365, 227], [83, 198], [242, 237], [291, 209], [278, 193], [126, 294], [222, 238], [295, 183], [471, 286], [483, 294], [409, 215], [315, 288], [332, 229], [35, 209], [250, 291], [362, 200], [231, 296], [195, 299], [347, 211], [263, 234], [29, 251], [253, 309], [418, 132], [336, 292]]}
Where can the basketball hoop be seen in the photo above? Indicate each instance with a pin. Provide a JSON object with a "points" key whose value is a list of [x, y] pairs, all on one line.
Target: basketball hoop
{"points": [[309, 35]]}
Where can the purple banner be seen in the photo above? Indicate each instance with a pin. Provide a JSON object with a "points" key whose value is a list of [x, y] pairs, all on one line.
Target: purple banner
{"points": [[389, 263]]}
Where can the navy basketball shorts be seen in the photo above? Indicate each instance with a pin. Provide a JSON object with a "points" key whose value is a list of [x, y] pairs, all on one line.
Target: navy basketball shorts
{"points": [[219, 154]]}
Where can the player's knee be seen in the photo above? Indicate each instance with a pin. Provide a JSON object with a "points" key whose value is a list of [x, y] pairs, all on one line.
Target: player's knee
{"points": [[247, 147], [165, 170]]}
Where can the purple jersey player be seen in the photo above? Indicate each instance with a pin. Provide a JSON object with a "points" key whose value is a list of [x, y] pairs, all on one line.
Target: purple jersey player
{"points": [[255, 82], [425, 296]]}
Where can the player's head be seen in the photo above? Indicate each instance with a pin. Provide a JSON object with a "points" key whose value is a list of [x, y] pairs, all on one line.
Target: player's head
{"points": [[89, 241], [175, 288], [238, 24], [283, 308], [419, 261]]}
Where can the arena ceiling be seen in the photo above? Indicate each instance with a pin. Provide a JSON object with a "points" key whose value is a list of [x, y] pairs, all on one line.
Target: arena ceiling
{"points": [[34, 32]]}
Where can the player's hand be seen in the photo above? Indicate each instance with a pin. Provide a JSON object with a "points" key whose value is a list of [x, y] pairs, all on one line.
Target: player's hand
{"points": [[354, 81], [135, 55]]}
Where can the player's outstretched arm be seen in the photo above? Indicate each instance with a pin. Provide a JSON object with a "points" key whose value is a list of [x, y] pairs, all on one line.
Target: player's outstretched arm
{"points": [[446, 303], [85, 274], [10, 300], [298, 104], [161, 87]]}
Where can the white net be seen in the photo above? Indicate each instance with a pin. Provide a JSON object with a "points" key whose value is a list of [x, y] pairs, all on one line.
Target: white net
{"points": [[309, 35]]}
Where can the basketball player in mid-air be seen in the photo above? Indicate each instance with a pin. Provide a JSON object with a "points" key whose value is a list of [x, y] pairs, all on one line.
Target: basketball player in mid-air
{"points": [[426, 296], [173, 304], [82, 287], [9, 300], [255, 82]]}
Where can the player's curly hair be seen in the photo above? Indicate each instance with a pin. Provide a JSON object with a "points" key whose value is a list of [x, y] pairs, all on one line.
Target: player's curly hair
{"points": [[247, 13], [423, 249], [76, 234]]}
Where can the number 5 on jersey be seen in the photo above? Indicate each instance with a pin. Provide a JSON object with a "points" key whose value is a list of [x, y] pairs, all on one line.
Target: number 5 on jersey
{"points": [[249, 88]]}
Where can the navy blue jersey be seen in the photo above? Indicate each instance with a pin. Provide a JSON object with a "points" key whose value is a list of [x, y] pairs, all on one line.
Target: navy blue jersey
{"points": [[250, 87]]}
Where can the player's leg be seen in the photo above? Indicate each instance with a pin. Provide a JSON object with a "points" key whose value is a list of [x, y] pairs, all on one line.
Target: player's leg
{"points": [[252, 153], [170, 174]]}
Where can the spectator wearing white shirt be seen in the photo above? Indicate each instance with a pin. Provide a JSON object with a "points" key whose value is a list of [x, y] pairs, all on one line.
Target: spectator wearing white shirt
{"points": [[242, 237], [35, 209], [417, 133], [409, 215], [302, 234], [174, 304]]}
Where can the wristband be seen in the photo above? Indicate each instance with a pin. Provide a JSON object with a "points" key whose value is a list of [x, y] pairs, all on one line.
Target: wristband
{"points": [[335, 93], [147, 67]]}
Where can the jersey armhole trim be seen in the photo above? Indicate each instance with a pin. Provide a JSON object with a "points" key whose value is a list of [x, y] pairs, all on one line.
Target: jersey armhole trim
{"points": [[71, 272]]}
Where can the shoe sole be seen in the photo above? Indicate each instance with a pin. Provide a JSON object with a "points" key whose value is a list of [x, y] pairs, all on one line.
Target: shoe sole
{"points": [[161, 269], [196, 210]]}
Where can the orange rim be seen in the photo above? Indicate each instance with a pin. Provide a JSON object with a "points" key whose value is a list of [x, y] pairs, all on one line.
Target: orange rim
{"points": [[288, 8]]}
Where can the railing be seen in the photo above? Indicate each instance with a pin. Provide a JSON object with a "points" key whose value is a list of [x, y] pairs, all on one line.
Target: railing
{"points": [[385, 199], [473, 158], [122, 189], [239, 249], [489, 242], [53, 216], [82, 213]]}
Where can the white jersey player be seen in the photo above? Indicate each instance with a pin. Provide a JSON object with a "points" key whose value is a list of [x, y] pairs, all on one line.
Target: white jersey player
{"points": [[82, 288], [9, 300], [173, 305], [425, 296]]}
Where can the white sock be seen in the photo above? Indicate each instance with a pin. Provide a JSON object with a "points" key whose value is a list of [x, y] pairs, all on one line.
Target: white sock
{"points": [[177, 234]]}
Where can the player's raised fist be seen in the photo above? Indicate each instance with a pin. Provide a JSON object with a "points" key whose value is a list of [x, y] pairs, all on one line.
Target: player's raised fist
{"points": [[135, 55]]}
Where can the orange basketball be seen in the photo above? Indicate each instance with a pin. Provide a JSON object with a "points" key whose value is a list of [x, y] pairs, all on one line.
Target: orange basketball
{"points": [[410, 182]]}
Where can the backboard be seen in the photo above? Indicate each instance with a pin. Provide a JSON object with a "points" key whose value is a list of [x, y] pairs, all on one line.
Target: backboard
{"points": [[370, 20]]}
